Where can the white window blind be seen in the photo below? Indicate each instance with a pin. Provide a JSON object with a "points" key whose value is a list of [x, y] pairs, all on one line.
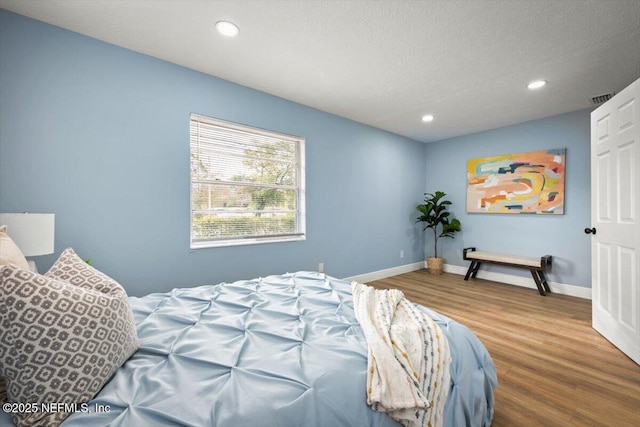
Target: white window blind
{"points": [[247, 184]]}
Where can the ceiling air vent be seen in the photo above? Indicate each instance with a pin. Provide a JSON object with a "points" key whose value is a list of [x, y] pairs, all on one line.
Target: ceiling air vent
{"points": [[602, 98]]}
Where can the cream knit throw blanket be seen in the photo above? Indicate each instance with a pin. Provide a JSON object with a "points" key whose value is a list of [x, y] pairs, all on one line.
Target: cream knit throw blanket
{"points": [[408, 365]]}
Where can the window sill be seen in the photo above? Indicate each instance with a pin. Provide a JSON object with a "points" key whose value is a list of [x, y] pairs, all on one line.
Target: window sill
{"points": [[243, 242]]}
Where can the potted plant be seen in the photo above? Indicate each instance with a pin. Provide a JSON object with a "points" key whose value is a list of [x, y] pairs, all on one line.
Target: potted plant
{"points": [[435, 215]]}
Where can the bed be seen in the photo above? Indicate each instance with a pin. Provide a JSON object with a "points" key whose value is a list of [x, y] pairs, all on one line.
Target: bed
{"points": [[282, 350]]}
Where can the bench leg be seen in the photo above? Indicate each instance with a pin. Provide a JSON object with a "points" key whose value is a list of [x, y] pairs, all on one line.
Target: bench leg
{"points": [[536, 279], [543, 279], [473, 270], [470, 270]]}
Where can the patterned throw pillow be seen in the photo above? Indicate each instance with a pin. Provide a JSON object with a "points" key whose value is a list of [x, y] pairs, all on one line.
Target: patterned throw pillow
{"points": [[72, 269], [60, 343]]}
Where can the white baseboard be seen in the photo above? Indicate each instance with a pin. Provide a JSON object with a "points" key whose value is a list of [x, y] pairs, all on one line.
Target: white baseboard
{"points": [[526, 282], [383, 274]]}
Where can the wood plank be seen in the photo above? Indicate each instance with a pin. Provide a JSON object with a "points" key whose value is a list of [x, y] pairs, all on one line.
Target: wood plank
{"points": [[553, 368]]}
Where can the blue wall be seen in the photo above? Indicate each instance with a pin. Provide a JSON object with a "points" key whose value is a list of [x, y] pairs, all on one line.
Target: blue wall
{"points": [[530, 235], [99, 135]]}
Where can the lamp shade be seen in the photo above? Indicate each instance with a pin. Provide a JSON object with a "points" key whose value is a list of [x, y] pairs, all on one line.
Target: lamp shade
{"points": [[33, 233]]}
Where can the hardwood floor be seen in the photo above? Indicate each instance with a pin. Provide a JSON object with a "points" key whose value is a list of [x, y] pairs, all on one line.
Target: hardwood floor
{"points": [[553, 368]]}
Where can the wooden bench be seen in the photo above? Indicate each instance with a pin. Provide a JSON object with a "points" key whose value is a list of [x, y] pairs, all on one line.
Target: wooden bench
{"points": [[537, 266]]}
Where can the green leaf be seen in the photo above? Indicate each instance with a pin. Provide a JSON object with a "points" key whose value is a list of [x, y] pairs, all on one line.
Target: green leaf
{"points": [[434, 213]]}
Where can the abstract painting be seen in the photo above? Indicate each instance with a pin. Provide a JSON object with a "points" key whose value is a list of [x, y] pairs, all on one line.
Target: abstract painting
{"points": [[524, 183]]}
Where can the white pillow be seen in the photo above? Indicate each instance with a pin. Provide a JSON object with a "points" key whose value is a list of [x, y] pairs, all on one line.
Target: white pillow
{"points": [[10, 253]]}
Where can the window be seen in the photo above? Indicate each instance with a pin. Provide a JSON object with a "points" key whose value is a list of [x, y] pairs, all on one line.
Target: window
{"points": [[247, 185]]}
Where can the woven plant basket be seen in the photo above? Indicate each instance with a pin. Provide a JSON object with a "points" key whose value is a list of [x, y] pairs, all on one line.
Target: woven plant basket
{"points": [[435, 265]]}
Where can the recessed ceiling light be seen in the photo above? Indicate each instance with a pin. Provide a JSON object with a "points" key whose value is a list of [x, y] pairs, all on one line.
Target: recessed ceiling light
{"points": [[427, 118], [227, 29], [536, 84]]}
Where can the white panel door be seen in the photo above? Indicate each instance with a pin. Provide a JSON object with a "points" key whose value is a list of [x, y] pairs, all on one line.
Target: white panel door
{"points": [[615, 216]]}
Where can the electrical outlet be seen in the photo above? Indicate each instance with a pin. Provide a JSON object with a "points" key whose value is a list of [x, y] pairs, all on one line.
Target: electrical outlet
{"points": [[401, 254], [321, 267]]}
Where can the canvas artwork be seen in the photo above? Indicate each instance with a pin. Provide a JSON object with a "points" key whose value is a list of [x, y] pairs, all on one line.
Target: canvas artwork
{"points": [[523, 183]]}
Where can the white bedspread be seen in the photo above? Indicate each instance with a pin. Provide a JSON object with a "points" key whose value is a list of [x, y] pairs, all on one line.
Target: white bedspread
{"points": [[408, 363]]}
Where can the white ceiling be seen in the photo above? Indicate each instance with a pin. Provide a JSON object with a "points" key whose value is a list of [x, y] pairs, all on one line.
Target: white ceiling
{"points": [[385, 63]]}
